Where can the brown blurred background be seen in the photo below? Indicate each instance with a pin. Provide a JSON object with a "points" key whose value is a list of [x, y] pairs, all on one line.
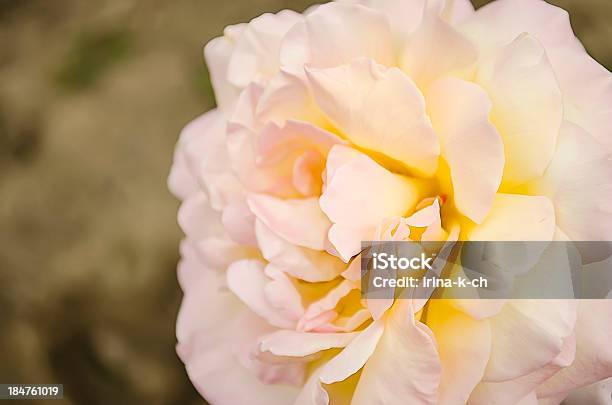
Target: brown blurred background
{"points": [[92, 98]]}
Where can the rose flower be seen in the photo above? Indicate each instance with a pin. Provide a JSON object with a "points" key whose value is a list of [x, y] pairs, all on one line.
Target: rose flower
{"points": [[389, 120]]}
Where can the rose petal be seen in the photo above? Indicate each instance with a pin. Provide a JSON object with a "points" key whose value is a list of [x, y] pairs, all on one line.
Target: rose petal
{"points": [[585, 84], [464, 345], [470, 144], [579, 182], [435, 49], [209, 355], [219, 253], [347, 198], [285, 97], [516, 217], [295, 153], [595, 394], [354, 356], [282, 294], [299, 221], [190, 267], [404, 16], [217, 53], [535, 328], [500, 22], [201, 158], [404, 365], [302, 263], [512, 391], [197, 218], [248, 330], [378, 109], [300, 344], [594, 353], [336, 33], [239, 222], [327, 303], [313, 392], [247, 280], [527, 106], [255, 57]]}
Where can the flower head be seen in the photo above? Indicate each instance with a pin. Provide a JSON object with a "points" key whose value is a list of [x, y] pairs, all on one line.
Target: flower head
{"points": [[389, 120]]}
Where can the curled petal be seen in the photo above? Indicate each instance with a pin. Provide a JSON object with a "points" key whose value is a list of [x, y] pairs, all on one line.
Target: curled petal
{"points": [[354, 356], [471, 145], [404, 365], [299, 221], [378, 109], [301, 344], [328, 302], [353, 181]]}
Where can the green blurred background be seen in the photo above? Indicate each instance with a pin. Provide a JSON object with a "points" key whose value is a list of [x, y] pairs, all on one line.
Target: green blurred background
{"points": [[92, 98]]}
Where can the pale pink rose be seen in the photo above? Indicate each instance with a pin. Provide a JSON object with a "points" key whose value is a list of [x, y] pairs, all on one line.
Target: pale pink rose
{"points": [[391, 120]]}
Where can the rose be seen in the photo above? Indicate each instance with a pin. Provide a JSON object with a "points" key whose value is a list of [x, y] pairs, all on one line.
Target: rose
{"points": [[393, 120]]}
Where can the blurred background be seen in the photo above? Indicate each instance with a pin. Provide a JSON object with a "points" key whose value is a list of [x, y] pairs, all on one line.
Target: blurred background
{"points": [[92, 98]]}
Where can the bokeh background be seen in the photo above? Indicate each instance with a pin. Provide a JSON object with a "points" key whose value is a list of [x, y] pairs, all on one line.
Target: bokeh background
{"points": [[92, 98]]}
